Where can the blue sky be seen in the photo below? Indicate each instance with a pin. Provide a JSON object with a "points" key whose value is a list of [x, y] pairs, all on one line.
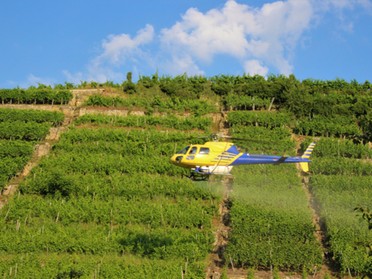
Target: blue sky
{"points": [[51, 42]]}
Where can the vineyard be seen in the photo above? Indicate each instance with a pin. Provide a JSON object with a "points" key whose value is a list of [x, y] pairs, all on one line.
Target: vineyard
{"points": [[20, 131], [106, 192], [106, 203], [273, 224], [41, 95], [342, 182]]}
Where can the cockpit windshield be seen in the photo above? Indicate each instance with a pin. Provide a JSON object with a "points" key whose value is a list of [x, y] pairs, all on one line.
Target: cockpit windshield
{"points": [[184, 151]]}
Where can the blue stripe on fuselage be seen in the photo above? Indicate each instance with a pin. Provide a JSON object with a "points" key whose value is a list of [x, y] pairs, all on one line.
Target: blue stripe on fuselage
{"points": [[233, 150], [266, 159]]}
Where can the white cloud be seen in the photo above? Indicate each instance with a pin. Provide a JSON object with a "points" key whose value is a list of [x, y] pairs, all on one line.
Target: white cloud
{"points": [[268, 34], [342, 4], [254, 67], [177, 65], [117, 48], [341, 8], [261, 39], [204, 35], [116, 51], [367, 4]]}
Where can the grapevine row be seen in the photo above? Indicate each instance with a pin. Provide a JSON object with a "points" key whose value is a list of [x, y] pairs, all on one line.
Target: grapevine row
{"points": [[20, 130], [189, 123], [35, 96], [107, 191], [154, 104]]}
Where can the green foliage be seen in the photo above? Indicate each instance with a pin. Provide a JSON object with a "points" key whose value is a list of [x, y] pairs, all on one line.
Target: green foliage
{"points": [[10, 167], [329, 147], [340, 166], [34, 95], [261, 132], [340, 126], [154, 104], [58, 185], [38, 116], [260, 118], [271, 225], [349, 238], [19, 132], [183, 86], [15, 149], [250, 273], [148, 82], [52, 265], [262, 140], [366, 215], [322, 108], [236, 102], [128, 86], [304, 273], [365, 123], [174, 122], [129, 186], [106, 203], [255, 86], [224, 273], [222, 85], [105, 192], [341, 182]]}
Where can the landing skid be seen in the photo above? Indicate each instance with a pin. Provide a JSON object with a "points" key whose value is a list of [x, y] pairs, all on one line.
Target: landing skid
{"points": [[197, 176], [200, 176]]}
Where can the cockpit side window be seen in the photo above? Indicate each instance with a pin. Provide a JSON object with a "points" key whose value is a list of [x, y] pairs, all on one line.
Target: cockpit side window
{"points": [[184, 151], [204, 150], [193, 150]]}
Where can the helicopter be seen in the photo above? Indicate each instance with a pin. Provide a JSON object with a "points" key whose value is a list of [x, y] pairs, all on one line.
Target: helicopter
{"points": [[219, 157]]}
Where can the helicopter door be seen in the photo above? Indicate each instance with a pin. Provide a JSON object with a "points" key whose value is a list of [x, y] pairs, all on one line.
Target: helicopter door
{"points": [[193, 151]]}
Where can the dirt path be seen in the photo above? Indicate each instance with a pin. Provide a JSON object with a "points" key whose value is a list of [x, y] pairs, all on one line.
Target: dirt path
{"points": [[328, 266], [217, 260], [222, 223], [320, 228]]}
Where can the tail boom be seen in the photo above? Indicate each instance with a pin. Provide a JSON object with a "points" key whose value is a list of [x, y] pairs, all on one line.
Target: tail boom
{"points": [[246, 159]]}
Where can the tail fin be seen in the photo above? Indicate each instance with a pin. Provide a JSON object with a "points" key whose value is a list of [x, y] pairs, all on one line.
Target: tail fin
{"points": [[305, 165]]}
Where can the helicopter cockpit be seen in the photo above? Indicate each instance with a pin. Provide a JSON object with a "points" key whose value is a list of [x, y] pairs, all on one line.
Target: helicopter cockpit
{"points": [[193, 150], [189, 153], [184, 150]]}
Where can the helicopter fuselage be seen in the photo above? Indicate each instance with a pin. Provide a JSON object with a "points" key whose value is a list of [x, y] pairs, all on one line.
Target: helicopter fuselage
{"points": [[220, 157], [208, 154]]}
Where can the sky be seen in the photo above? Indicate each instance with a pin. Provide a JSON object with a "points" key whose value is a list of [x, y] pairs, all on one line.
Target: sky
{"points": [[58, 41]]}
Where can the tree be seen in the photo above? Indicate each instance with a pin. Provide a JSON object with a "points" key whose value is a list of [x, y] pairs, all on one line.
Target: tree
{"points": [[222, 85], [128, 86]]}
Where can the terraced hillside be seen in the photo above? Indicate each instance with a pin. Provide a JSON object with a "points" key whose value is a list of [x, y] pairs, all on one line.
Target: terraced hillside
{"points": [[99, 198]]}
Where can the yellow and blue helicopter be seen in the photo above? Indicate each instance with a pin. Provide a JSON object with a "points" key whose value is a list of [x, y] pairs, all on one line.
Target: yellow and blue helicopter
{"points": [[219, 158]]}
